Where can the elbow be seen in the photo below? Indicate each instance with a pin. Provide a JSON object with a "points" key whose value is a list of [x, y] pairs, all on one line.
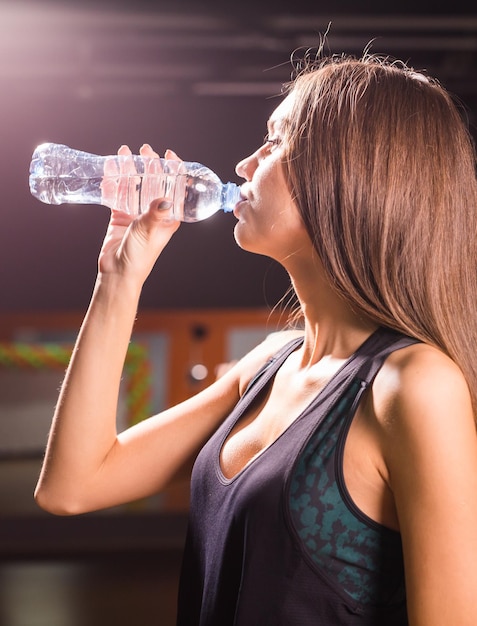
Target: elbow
{"points": [[55, 504]]}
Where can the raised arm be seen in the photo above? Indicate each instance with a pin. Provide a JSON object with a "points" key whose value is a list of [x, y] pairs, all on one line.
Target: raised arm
{"points": [[83, 439], [88, 465]]}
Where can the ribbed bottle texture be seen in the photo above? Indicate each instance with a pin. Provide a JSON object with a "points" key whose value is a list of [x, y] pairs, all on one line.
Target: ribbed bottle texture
{"points": [[62, 175]]}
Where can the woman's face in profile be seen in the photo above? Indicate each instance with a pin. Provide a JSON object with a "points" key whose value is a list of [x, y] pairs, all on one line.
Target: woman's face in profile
{"points": [[268, 219]]}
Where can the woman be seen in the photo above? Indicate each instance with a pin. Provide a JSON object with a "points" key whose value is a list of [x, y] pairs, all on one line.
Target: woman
{"points": [[337, 476]]}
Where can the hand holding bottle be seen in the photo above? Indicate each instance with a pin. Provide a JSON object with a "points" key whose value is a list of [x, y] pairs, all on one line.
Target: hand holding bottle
{"points": [[134, 242], [124, 187]]}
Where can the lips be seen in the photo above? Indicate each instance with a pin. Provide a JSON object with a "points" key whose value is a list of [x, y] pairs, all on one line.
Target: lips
{"points": [[243, 198], [236, 210]]}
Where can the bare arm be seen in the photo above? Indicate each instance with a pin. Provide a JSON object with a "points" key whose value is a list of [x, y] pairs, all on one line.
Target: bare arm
{"points": [[89, 466], [431, 454]]}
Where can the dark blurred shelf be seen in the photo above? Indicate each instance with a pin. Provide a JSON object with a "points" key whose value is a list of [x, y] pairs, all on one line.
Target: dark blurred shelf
{"points": [[50, 536]]}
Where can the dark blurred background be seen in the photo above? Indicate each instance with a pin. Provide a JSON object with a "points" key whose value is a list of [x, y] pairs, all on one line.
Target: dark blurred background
{"points": [[198, 77], [201, 78]]}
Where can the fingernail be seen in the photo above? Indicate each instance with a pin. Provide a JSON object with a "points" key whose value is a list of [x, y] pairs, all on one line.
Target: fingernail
{"points": [[164, 205]]}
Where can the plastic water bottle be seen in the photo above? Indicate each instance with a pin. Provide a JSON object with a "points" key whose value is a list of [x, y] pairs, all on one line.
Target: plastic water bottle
{"points": [[59, 175]]}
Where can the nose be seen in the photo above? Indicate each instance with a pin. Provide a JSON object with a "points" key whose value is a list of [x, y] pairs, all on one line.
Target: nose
{"points": [[246, 167]]}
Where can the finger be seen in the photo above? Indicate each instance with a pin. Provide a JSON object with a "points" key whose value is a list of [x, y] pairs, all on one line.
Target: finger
{"points": [[152, 163], [174, 163], [170, 154], [127, 197], [150, 158], [147, 150], [151, 183], [161, 210]]}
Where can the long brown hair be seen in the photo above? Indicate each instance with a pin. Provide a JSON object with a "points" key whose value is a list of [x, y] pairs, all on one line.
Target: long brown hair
{"points": [[382, 167]]}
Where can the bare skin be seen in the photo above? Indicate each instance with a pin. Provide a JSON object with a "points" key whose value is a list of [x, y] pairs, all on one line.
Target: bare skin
{"points": [[411, 454]]}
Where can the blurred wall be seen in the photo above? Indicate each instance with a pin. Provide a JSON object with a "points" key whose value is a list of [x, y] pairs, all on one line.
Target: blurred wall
{"points": [[200, 78]]}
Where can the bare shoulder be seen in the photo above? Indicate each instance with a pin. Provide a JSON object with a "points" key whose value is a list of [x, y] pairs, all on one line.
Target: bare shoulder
{"points": [[421, 406], [421, 380]]}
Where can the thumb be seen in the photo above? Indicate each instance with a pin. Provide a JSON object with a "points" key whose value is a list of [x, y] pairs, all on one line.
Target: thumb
{"points": [[162, 207], [161, 210], [160, 218]]}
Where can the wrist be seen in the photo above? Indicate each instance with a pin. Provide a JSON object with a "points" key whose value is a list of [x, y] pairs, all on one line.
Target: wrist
{"points": [[114, 287]]}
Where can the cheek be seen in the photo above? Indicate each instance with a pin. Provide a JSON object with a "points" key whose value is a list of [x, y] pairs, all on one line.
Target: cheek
{"points": [[273, 201], [274, 211]]}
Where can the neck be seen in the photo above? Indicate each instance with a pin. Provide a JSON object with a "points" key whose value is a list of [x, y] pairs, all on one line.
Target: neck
{"points": [[332, 327]]}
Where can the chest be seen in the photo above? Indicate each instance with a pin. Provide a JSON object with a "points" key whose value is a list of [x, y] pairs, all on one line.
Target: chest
{"points": [[284, 400], [274, 409], [286, 504]]}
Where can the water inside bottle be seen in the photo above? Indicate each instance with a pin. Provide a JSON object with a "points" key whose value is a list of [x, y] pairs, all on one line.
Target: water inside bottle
{"points": [[60, 175], [66, 189]]}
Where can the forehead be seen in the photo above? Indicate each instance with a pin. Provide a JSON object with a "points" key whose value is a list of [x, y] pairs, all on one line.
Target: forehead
{"points": [[283, 110]]}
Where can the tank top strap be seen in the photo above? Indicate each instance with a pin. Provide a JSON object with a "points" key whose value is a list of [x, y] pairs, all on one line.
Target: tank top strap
{"points": [[272, 365], [363, 365], [374, 351]]}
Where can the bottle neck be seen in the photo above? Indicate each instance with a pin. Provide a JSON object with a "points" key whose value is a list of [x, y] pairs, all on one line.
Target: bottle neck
{"points": [[230, 196]]}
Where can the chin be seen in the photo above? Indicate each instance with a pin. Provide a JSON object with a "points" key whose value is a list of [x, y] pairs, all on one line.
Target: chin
{"points": [[242, 237], [246, 242]]}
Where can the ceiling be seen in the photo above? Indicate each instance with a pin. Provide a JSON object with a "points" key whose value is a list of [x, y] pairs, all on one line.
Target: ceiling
{"points": [[110, 49], [200, 78]]}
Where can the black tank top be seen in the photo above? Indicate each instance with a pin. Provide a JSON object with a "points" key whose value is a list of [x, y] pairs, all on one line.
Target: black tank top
{"points": [[282, 543]]}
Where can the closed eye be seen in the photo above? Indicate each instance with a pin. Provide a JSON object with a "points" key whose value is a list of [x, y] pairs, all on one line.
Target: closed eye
{"points": [[271, 141]]}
